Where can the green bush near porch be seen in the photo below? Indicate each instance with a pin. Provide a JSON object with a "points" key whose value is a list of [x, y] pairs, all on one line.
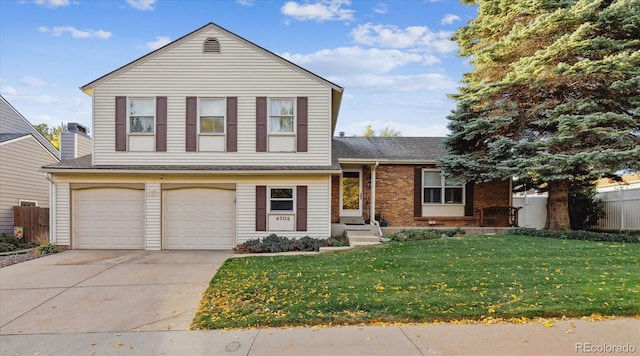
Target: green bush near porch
{"points": [[473, 277]]}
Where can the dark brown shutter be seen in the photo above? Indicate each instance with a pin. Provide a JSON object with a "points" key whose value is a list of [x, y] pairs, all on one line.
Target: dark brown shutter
{"points": [[192, 121], [302, 124], [232, 124], [301, 208], [468, 199], [417, 192], [161, 124], [261, 208], [121, 123], [261, 124]]}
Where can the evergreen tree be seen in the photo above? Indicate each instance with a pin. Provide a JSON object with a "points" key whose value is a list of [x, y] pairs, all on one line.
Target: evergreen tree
{"points": [[554, 94]]}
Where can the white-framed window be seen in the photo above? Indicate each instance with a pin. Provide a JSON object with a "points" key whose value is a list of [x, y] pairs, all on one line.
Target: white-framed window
{"points": [[142, 116], [22, 202], [281, 200], [211, 116], [282, 116], [438, 189]]}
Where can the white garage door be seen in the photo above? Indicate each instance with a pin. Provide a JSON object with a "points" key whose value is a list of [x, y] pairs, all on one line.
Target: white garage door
{"points": [[108, 218], [199, 219]]}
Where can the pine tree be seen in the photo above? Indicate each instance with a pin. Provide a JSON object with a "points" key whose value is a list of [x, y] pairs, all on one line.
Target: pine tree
{"points": [[554, 94]]}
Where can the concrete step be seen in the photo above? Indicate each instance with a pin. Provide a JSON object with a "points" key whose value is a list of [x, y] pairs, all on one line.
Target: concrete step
{"points": [[352, 220], [356, 244], [366, 232], [360, 240]]}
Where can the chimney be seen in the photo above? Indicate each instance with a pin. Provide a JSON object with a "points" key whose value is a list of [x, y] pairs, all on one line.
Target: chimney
{"points": [[75, 142]]}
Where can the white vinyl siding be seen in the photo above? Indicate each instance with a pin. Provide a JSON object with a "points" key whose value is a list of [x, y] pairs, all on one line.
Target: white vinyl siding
{"points": [[21, 177], [153, 212], [11, 121], [318, 208], [239, 70], [318, 201], [63, 215]]}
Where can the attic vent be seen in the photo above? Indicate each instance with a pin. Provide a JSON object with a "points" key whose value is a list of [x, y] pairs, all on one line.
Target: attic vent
{"points": [[211, 45]]}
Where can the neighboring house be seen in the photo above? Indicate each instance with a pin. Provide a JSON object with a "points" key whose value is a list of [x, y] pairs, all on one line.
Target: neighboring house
{"points": [[23, 151], [212, 140]]}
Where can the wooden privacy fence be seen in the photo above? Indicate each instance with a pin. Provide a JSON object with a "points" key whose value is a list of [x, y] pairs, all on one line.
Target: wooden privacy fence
{"points": [[34, 221]]}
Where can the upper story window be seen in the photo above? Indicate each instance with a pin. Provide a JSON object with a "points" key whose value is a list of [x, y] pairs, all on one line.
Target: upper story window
{"points": [[142, 113], [281, 116], [211, 45], [438, 189], [281, 199], [211, 116]]}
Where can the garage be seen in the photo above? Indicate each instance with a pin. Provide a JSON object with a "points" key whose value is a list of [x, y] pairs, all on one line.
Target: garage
{"points": [[108, 218], [199, 218]]}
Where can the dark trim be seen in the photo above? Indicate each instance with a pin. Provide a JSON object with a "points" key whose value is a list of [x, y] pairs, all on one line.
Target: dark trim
{"points": [[301, 208], [232, 124], [261, 208], [191, 134], [417, 192], [302, 124], [261, 124], [121, 123], [161, 124], [468, 199]]}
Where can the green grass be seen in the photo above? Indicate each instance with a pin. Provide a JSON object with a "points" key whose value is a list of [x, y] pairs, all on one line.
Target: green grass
{"points": [[474, 277]]}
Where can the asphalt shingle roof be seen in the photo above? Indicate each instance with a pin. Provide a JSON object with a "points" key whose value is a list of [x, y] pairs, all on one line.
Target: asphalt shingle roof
{"points": [[365, 148], [10, 136], [389, 148]]}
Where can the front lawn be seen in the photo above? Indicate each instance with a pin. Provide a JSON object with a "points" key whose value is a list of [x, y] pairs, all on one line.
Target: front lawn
{"points": [[445, 279]]}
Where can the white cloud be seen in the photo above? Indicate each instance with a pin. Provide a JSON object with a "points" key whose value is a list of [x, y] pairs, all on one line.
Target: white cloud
{"points": [[144, 5], [45, 99], [448, 19], [322, 10], [75, 33], [33, 82], [353, 60], [159, 42], [398, 83], [8, 91], [381, 8], [390, 36], [52, 3], [246, 2]]}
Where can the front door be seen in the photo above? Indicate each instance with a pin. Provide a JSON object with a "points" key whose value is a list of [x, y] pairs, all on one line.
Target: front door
{"points": [[351, 197]]}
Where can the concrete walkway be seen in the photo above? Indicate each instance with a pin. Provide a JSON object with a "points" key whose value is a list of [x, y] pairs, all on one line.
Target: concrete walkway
{"points": [[569, 337]]}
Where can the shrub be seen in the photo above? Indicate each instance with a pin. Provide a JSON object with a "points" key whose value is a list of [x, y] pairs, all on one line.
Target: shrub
{"points": [[584, 209], [47, 249], [422, 234], [275, 243], [8, 239], [7, 247], [578, 235]]}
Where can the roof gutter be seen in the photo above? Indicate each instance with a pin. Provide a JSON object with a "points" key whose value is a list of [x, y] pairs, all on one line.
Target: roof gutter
{"points": [[200, 172]]}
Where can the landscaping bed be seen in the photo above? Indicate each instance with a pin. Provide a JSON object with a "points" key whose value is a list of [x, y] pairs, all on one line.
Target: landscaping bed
{"points": [[453, 278]]}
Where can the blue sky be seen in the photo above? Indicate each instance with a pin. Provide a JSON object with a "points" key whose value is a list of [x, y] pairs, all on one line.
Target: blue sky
{"points": [[394, 57]]}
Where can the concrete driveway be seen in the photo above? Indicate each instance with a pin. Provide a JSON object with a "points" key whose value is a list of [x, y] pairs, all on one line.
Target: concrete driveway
{"points": [[105, 291]]}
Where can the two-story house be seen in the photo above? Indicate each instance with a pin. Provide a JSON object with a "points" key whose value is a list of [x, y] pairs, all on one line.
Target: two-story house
{"points": [[212, 140]]}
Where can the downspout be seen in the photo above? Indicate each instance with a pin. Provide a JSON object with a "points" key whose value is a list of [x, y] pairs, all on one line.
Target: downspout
{"points": [[52, 208], [372, 212]]}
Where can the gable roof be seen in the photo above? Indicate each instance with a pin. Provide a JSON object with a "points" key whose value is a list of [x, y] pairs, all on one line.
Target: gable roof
{"points": [[13, 123], [336, 90], [10, 136], [389, 149]]}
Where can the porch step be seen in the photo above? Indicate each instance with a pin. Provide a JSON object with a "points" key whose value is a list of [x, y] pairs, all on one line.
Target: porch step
{"points": [[352, 220], [361, 238]]}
